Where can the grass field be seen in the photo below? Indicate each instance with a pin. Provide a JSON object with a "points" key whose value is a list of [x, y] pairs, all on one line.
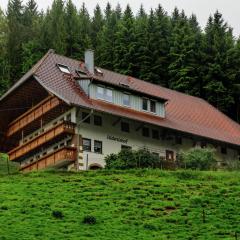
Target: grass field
{"points": [[137, 204]]}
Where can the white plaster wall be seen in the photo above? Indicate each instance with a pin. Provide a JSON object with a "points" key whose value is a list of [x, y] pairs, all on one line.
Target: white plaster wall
{"points": [[135, 140]]}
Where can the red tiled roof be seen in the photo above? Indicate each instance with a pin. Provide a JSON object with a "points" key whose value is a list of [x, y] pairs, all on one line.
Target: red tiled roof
{"points": [[183, 112]]}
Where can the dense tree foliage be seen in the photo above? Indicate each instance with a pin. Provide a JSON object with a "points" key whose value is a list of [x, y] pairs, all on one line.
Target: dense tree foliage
{"points": [[169, 50]]}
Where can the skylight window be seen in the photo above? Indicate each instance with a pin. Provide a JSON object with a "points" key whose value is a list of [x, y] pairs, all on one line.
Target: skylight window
{"points": [[64, 69], [81, 74], [98, 71]]}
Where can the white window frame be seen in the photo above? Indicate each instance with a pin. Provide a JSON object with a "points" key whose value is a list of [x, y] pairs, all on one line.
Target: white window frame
{"points": [[100, 95], [129, 100], [64, 68]]}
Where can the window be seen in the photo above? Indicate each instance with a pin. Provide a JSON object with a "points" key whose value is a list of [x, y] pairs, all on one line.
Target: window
{"points": [[223, 150], [100, 93], [153, 106], [64, 68], [126, 100], [178, 140], [85, 117], [145, 104], [145, 132], [108, 95], [97, 146], [125, 127], [104, 94], [125, 147], [169, 155], [97, 120], [86, 144], [155, 134]]}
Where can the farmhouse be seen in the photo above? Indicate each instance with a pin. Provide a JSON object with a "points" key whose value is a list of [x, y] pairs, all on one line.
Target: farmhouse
{"points": [[71, 114]]}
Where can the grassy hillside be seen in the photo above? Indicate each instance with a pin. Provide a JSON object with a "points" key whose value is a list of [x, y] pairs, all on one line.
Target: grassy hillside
{"points": [[137, 204], [6, 166]]}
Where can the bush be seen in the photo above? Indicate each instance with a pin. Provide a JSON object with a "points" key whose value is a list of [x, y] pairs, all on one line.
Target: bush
{"points": [[128, 159], [198, 158], [57, 214], [89, 220]]}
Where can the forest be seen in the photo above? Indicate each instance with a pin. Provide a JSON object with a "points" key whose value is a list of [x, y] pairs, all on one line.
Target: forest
{"points": [[169, 49]]}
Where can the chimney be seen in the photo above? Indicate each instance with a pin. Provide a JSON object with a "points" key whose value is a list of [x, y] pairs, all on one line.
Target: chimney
{"points": [[89, 60]]}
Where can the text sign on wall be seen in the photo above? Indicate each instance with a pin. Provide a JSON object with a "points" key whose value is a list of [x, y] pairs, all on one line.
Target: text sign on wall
{"points": [[117, 139]]}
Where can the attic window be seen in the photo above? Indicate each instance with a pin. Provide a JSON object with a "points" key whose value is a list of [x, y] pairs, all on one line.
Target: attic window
{"points": [[64, 68]]}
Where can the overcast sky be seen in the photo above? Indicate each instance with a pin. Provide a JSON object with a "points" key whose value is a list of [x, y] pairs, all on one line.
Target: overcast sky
{"points": [[202, 8]]}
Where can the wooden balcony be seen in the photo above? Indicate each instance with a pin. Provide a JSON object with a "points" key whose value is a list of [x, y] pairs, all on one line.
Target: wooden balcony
{"points": [[58, 130], [33, 114], [59, 158]]}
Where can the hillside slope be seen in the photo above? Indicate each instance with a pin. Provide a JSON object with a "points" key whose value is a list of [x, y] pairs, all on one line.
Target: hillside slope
{"points": [[137, 204]]}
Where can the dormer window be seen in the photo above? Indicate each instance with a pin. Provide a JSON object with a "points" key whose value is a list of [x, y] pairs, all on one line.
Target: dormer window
{"points": [[64, 68], [108, 95], [104, 94], [152, 106], [100, 92], [145, 104], [126, 100]]}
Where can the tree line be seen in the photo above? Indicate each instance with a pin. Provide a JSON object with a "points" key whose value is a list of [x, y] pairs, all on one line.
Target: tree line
{"points": [[171, 50]]}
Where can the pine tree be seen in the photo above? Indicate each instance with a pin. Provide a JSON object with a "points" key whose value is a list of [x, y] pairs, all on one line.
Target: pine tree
{"points": [[125, 47], [85, 31], [15, 37], [142, 54], [183, 69], [96, 26], [107, 40], [73, 47], [218, 42], [54, 28], [4, 66], [31, 47]]}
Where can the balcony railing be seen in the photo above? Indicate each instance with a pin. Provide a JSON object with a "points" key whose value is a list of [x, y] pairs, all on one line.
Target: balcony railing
{"points": [[60, 157], [33, 114], [40, 140]]}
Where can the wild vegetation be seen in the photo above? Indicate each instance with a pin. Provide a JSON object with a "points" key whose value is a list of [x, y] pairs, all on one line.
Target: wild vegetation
{"points": [[129, 204], [166, 49]]}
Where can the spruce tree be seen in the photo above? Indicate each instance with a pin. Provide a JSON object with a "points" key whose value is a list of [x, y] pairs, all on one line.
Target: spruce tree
{"points": [[4, 66], [15, 38], [54, 28], [184, 55], [218, 41], [96, 26], [107, 40], [125, 47], [73, 47]]}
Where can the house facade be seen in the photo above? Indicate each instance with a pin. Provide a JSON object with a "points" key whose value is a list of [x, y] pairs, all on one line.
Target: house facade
{"points": [[71, 114]]}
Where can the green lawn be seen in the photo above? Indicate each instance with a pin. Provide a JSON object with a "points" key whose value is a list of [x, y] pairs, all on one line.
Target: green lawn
{"points": [[137, 204]]}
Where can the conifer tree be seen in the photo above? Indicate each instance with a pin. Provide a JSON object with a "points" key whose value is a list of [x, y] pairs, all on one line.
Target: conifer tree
{"points": [[125, 47], [54, 28], [73, 47], [4, 66], [15, 38], [183, 68], [218, 41], [107, 40], [96, 25]]}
